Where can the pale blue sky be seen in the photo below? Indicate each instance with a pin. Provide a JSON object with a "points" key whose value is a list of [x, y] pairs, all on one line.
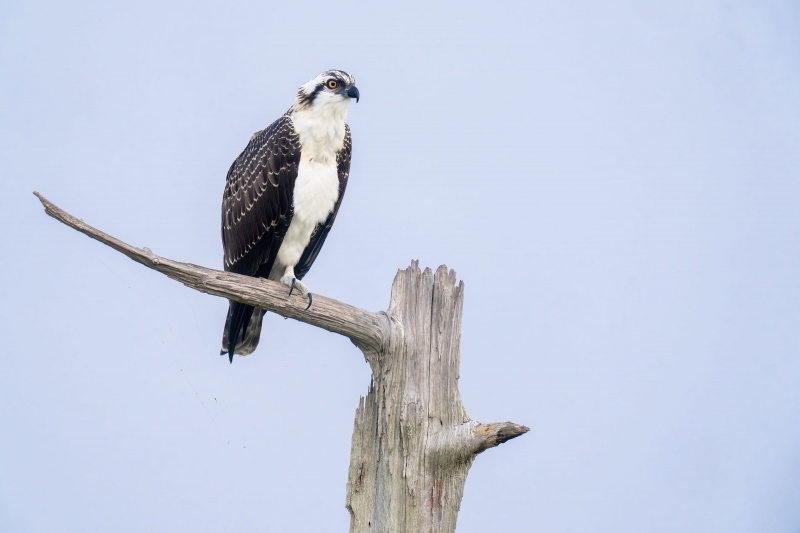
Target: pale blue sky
{"points": [[617, 183]]}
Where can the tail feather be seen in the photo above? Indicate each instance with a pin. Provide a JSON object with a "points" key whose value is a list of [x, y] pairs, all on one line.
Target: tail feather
{"points": [[242, 329]]}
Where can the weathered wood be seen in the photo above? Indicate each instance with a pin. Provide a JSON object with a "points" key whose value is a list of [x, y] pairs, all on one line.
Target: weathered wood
{"points": [[413, 442], [367, 330]]}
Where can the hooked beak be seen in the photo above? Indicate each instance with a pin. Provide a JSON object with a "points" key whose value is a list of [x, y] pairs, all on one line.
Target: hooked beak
{"points": [[352, 92]]}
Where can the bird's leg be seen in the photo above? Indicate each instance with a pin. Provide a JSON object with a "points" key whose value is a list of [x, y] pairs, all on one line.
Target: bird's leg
{"points": [[294, 283]]}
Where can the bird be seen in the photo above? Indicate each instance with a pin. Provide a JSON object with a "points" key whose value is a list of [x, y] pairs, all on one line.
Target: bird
{"points": [[282, 195]]}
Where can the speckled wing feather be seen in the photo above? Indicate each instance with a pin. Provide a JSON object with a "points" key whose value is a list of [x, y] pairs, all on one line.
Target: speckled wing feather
{"points": [[321, 231], [256, 212], [257, 202]]}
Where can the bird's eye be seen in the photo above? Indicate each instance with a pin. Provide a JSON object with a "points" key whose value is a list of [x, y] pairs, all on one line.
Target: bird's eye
{"points": [[332, 84]]}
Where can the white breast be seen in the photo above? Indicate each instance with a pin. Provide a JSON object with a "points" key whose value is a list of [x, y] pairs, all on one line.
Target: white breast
{"points": [[315, 193], [317, 186]]}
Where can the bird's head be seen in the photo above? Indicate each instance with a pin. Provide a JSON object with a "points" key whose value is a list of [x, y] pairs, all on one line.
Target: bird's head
{"points": [[332, 88]]}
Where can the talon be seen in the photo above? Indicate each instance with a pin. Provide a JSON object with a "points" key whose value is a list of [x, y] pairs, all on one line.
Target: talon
{"points": [[291, 288], [309, 302]]}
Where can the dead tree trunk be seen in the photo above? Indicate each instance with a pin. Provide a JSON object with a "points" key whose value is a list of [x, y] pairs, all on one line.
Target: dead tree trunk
{"points": [[413, 442]]}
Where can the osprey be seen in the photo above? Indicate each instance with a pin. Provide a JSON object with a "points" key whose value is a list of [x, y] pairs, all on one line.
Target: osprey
{"points": [[281, 197]]}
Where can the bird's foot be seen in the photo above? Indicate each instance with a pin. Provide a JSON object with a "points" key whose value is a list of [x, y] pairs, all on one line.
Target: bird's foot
{"points": [[295, 283]]}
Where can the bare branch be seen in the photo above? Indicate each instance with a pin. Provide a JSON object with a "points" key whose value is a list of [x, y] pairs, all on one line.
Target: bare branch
{"points": [[497, 433], [466, 440], [367, 330]]}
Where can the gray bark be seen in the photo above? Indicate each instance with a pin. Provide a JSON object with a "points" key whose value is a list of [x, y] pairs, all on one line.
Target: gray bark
{"points": [[413, 442]]}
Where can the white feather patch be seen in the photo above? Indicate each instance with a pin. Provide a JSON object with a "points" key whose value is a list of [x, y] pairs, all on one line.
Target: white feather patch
{"points": [[321, 129]]}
